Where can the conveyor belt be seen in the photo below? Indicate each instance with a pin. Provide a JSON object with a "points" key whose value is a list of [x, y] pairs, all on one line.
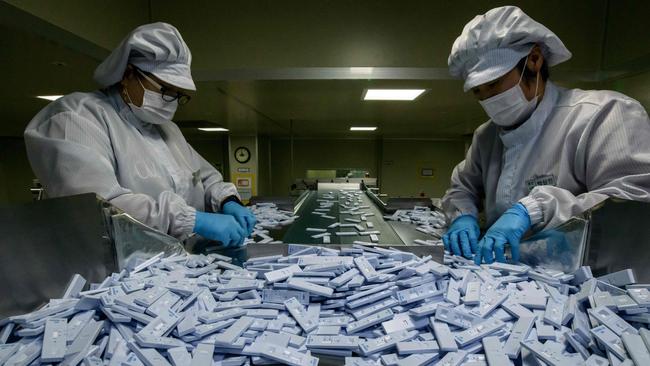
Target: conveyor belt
{"points": [[390, 205], [407, 233], [391, 234]]}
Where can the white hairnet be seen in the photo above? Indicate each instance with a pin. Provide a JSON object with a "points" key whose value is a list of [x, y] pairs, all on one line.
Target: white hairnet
{"points": [[491, 45], [157, 48]]}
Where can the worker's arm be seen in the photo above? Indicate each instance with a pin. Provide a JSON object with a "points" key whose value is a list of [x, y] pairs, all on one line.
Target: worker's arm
{"points": [[466, 191], [72, 155], [222, 197], [613, 156], [217, 192]]}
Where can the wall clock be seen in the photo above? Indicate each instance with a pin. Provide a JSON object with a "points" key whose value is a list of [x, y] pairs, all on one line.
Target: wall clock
{"points": [[242, 155]]}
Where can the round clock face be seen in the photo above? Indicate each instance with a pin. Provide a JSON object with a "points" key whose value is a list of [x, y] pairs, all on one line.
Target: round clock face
{"points": [[242, 155]]}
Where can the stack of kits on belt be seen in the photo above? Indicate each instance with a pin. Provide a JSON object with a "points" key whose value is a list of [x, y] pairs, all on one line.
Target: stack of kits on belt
{"points": [[357, 223], [268, 216], [326, 202], [427, 221], [365, 305]]}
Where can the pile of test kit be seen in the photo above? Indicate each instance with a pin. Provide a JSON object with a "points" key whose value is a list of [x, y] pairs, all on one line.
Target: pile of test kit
{"points": [[358, 305], [269, 217], [428, 221]]}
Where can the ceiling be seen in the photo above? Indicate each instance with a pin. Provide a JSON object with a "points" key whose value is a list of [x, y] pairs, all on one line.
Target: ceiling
{"points": [[282, 67]]}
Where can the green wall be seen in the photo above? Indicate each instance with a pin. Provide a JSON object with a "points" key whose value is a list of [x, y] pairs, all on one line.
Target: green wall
{"points": [[215, 151], [318, 154], [637, 87], [396, 162], [263, 166], [403, 161]]}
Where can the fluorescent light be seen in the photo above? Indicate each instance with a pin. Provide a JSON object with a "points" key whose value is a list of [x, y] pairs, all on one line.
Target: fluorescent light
{"points": [[392, 94], [49, 97], [361, 70], [363, 128], [213, 129]]}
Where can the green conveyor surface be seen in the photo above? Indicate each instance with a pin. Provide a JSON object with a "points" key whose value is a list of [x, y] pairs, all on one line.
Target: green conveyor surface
{"points": [[392, 233]]}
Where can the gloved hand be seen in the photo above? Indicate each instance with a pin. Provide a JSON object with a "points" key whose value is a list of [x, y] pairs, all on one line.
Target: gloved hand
{"points": [[223, 228], [463, 230], [244, 216], [509, 228]]}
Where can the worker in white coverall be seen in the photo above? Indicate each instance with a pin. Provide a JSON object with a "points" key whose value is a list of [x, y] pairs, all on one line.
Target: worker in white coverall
{"points": [[547, 153], [120, 142]]}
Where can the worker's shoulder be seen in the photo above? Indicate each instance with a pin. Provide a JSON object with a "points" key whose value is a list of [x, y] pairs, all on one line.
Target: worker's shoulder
{"points": [[172, 126], [85, 105], [82, 103], [487, 130], [596, 99]]}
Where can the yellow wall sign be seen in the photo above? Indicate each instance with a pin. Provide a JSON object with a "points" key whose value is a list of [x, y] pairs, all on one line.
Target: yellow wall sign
{"points": [[245, 184], [426, 172]]}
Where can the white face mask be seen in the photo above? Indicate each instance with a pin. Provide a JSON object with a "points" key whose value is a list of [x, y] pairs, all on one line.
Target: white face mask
{"points": [[510, 107], [154, 109]]}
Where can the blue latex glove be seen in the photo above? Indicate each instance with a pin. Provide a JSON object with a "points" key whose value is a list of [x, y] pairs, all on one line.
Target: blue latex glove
{"points": [[464, 231], [508, 229], [223, 228], [244, 216]]}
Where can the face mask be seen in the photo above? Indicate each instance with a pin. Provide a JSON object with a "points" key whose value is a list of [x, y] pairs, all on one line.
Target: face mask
{"points": [[510, 107], [154, 109]]}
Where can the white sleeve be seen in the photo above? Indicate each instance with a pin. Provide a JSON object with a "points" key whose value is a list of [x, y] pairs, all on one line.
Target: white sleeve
{"points": [[466, 191], [216, 190], [71, 154], [614, 157]]}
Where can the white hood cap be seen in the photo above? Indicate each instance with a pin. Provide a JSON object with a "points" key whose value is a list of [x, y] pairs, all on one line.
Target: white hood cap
{"points": [[157, 48], [493, 43]]}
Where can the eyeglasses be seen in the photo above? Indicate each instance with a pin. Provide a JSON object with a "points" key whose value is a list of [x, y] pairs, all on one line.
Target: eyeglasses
{"points": [[166, 94]]}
